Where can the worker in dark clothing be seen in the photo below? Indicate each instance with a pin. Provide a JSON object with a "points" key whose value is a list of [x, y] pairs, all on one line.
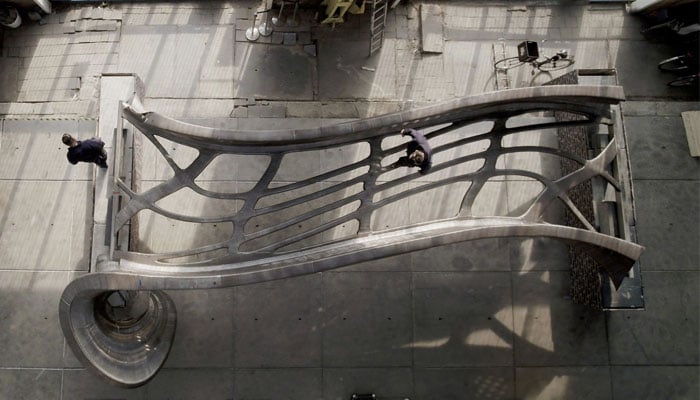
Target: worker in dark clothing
{"points": [[417, 152], [90, 150]]}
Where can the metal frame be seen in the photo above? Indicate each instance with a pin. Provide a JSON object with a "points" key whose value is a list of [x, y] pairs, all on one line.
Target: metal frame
{"points": [[246, 262]]}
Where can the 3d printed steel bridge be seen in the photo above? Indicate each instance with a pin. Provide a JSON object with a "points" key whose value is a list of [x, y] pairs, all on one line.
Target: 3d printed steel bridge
{"points": [[118, 320]]}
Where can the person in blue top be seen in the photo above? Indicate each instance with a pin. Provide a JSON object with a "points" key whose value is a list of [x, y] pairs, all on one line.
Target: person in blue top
{"points": [[417, 152], [90, 150]]}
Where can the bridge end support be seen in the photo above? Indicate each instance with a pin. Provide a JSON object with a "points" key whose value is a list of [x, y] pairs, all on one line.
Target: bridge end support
{"points": [[124, 336]]}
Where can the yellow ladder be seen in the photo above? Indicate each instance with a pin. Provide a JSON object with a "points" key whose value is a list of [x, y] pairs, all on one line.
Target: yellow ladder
{"points": [[335, 10]]}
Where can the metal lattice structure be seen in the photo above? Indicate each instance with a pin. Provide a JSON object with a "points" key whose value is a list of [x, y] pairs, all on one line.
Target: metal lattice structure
{"points": [[119, 320]]}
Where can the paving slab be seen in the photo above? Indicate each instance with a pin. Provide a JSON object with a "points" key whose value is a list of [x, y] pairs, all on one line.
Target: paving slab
{"points": [[367, 319], [422, 78], [665, 225], [386, 383], [274, 218], [9, 70], [287, 123], [274, 72], [204, 329], [538, 254], [48, 95], [295, 166], [185, 235], [462, 319], [461, 383], [477, 255], [368, 109], [435, 204], [492, 199], [149, 52], [655, 382], [469, 64], [46, 225], [155, 166], [667, 332], [657, 145], [691, 123], [549, 329], [392, 214], [192, 384], [32, 335], [643, 79], [231, 168], [190, 108], [522, 194], [431, 28], [50, 84], [345, 229], [652, 108], [216, 66], [190, 235], [299, 166], [279, 383], [399, 263], [85, 384], [32, 149], [587, 54], [589, 383], [345, 72], [188, 202], [75, 108], [24, 109], [547, 165], [278, 324], [267, 111], [37, 383], [339, 157]]}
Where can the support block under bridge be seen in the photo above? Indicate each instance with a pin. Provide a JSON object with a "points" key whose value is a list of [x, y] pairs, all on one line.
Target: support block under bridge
{"points": [[247, 206]]}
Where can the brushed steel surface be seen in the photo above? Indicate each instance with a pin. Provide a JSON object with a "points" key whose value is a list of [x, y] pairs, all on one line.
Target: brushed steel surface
{"points": [[274, 252]]}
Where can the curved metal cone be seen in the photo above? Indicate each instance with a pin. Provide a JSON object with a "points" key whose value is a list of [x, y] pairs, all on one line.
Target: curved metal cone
{"points": [[126, 349]]}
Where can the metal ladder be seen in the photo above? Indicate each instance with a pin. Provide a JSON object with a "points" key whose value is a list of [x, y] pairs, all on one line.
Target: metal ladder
{"points": [[379, 11]]}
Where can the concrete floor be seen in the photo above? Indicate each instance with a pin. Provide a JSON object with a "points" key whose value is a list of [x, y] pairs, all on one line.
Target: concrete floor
{"points": [[484, 320]]}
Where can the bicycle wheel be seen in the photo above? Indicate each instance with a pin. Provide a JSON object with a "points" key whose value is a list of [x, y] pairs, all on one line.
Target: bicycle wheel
{"points": [[661, 31], [684, 81], [508, 63], [556, 65], [675, 64]]}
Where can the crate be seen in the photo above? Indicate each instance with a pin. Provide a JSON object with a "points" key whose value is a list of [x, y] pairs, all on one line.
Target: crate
{"points": [[528, 51]]}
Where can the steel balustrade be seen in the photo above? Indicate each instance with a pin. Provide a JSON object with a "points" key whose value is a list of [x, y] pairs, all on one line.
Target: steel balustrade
{"points": [[117, 318]]}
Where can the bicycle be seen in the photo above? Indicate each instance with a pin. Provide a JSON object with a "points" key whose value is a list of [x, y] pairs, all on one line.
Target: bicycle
{"points": [[528, 53], [684, 62], [688, 80], [9, 16], [677, 23]]}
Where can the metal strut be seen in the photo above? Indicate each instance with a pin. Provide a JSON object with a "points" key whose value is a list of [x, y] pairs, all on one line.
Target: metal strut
{"points": [[499, 53]]}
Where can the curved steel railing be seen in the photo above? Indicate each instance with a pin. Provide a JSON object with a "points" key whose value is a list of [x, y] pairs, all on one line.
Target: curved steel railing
{"points": [[262, 245]]}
